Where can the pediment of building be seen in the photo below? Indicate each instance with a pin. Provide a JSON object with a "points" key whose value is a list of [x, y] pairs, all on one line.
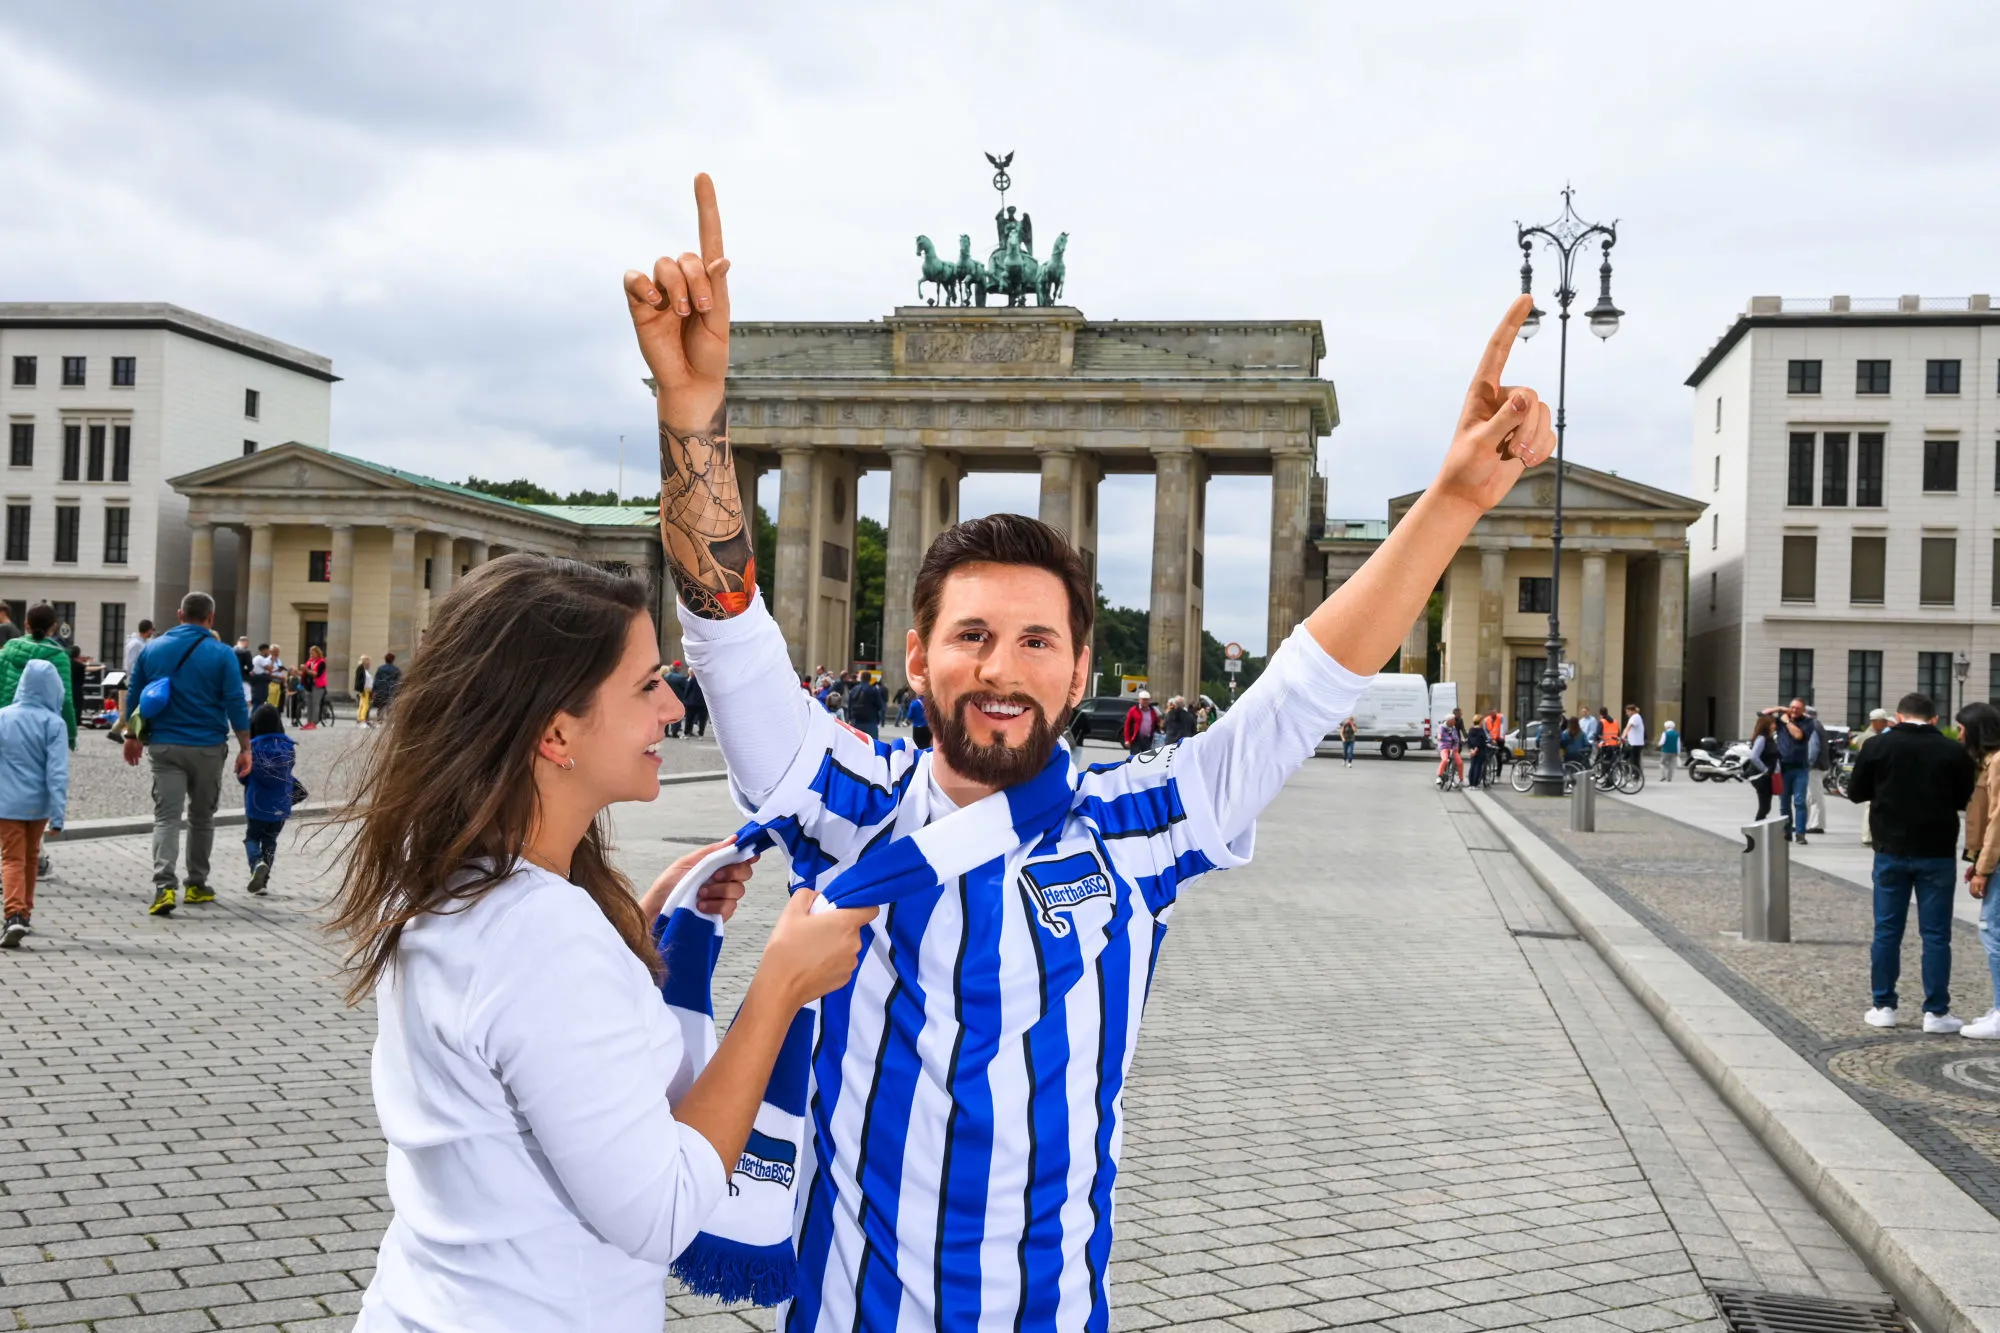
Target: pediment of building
{"points": [[294, 467], [1585, 490]]}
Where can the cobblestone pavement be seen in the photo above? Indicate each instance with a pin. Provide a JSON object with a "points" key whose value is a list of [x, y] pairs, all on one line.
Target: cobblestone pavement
{"points": [[1363, 1101], [1941, 1094]]}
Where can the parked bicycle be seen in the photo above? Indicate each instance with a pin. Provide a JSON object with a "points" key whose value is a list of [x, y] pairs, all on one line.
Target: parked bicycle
{"points": [[1523, 775], [1623, 772]]}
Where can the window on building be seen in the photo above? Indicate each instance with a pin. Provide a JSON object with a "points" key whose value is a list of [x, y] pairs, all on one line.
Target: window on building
{"points": [[1802, 377], [1833, 468], [1799, 472], [72, 451], [24, 372], [121, 453], [1996, 465], [427, 573], [1996, 571], [1801, 568], [1864, 685], [1867, 568], [69, 525], [1718, 415], [1714, 531], [1528, 687], [252, 403], [1941, 377], [1868, 469], [1716, 485], [1795, 674], [1537, 595], [1934, 679], [17, 534], [1940, 465], [117, 535], [1871, 377], [319, 566], [111, 631], [1713, 583], [73, 372], [1993, 679], [20, 444], [95, 471], [1938, 571], [124, 372], [249, 447]]}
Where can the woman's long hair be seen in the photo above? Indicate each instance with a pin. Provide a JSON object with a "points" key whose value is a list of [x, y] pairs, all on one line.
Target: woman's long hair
{"points": [[1979, 728], [448, 800], [1766, 725]]}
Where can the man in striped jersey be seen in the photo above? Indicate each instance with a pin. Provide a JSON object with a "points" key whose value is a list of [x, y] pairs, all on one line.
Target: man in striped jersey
{"points": [[965, 1115]]}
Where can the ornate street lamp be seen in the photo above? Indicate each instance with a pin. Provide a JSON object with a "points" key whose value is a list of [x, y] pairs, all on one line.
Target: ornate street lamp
{"points": [[1961, 667], [1567, 235]]}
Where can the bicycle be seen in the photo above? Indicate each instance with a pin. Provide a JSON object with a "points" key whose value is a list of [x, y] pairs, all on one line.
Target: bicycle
{"points": [[325, 715], [1623, 773]]}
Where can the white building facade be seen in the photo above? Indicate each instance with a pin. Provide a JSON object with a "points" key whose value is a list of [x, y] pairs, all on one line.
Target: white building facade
{"points": [[1850, 553], [103, 402]]}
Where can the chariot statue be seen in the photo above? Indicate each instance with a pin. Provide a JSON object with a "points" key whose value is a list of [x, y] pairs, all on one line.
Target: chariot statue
{"points": [[1011, 269]]}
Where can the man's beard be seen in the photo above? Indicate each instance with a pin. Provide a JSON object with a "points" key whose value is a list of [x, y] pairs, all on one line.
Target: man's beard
{"points": [[996, 763]]}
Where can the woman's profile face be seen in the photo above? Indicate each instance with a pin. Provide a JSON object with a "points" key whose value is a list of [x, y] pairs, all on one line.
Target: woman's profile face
{"points": [[617, 749]]}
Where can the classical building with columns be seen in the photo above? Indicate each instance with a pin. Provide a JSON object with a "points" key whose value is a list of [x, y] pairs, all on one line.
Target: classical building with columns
{"points": [[932, 394], [1624, 594], [351, 555]]}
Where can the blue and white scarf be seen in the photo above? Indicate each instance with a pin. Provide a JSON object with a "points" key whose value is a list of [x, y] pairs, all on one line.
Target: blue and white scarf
{"points": [[746, 1251]]}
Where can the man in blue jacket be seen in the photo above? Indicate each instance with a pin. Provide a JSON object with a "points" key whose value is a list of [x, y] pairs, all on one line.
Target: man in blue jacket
{"points": [[1798, 751], [187, 741]]}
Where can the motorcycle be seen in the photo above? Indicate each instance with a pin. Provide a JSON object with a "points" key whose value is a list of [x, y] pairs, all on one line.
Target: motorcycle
{"points": [[1709, 762]]}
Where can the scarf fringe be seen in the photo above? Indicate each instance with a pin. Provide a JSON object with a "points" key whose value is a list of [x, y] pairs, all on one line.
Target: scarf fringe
{"points": [[731, 1271]]}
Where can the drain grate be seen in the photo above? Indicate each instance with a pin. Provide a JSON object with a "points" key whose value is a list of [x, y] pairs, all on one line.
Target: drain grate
{"points": [[1772, 1312]]}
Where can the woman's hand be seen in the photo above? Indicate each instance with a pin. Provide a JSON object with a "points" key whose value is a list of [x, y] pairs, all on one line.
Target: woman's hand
{"points": [[1502, 430], [809, 953], [1976, 885], [718, 897], [681, 315]]}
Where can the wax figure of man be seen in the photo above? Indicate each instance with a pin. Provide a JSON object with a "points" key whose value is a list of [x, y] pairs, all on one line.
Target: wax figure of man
{"points": [[965, 1110]]}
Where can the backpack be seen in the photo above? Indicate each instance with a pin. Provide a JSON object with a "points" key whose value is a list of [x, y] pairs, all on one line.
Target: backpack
{"points": [[153, 700]]}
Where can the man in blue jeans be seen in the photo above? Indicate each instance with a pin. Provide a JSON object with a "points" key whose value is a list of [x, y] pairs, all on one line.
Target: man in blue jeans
{"points": [[1798, 750], [1918, 780]]}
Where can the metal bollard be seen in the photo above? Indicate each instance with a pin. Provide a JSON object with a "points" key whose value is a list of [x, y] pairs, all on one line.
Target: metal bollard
{"points": [[1767, 882], [1583, 805]]}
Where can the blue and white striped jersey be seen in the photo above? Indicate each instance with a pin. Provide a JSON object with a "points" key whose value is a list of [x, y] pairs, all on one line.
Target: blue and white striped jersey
{"points": [[966, 1111]]}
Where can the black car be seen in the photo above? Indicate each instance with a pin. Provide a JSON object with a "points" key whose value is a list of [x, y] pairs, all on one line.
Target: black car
{"points": [[1100, 719]]}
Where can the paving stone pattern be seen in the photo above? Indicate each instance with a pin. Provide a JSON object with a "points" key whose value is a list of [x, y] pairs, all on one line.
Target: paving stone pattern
{"points": [[1356, 1104], [1941, 1094]]}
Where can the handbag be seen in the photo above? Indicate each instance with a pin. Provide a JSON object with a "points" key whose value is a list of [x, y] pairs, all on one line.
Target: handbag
{"points": [[153, 700]]}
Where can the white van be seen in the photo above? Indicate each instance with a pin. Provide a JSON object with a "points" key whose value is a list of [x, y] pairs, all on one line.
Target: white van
{"points": [[1393, 712], [1444, 698]]}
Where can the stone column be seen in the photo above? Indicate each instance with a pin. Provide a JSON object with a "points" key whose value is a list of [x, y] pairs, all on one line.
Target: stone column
{"points": [[796, 573], [476, 554], [340, 610], [1173, 531], [1058, 508], [1291, 517], [241, 620], [1492, 606], [260, 583], [201, 558], [906, 552], [444, 564], [1590, 642], [402, 591], [1669, 645], [1416, 645]]}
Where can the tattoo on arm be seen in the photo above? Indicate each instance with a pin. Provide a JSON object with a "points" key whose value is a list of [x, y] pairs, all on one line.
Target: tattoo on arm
{"points": [[710, 548]]}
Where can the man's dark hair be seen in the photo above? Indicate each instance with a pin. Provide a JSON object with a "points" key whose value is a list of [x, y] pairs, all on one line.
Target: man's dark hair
{"points": [[1005, 539], [1916, 705], [263, 647], [41, 619], [145, 627], [388, 657], [197, 608]]}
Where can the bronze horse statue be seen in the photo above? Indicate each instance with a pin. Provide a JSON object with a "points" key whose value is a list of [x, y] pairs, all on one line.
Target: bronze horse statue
{"points": [[1048, 290], [953, 281]]}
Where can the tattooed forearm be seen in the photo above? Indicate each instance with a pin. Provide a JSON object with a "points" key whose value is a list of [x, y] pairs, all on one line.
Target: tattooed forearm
{"points": [[710, 549]]}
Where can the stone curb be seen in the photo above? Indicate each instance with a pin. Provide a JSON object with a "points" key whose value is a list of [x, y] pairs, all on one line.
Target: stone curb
{"points": [[125, 826], [1921, 1233]]}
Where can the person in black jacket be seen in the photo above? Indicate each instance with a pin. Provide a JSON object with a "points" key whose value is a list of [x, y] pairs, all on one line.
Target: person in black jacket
{"points": [[1918, 780]]}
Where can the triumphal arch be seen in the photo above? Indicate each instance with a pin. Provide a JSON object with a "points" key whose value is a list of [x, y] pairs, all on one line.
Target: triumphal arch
{"points": [[934, 393]]}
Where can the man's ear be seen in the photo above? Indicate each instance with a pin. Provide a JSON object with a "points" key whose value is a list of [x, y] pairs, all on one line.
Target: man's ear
{"points": [[916, 662], [1079, 679]]}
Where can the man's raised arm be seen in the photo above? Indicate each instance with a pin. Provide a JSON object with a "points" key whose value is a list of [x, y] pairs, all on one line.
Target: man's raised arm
{"points": [[680, 312]]}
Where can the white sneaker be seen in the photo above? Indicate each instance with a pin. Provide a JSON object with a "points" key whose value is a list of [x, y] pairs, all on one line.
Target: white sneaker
{"points": [[1880, 1018], [1983, 1029], [1944, 1023]]}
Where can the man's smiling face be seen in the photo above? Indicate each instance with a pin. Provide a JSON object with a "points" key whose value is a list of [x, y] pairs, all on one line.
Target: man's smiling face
{"points": [[999, 672]]}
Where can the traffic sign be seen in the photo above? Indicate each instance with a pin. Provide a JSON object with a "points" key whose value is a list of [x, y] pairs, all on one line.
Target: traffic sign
{"points": [[1233, 651], [1568, 670], [1233, 666]]}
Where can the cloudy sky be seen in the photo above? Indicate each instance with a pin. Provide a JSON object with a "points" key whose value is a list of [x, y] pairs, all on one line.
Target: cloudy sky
{"points": [[442, 196]]}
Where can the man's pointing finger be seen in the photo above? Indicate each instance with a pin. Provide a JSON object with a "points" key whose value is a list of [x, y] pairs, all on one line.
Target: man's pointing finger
{"points": [[1494, 359], [708, 218]]}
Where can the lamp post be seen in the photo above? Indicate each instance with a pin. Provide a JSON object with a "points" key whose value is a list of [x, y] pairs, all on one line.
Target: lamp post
{"points": [[1961, 667], [1567, 236]]}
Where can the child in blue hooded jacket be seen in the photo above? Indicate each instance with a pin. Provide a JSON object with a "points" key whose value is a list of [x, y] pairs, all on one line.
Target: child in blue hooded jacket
{"points": [[34, 788], [268, 792]]}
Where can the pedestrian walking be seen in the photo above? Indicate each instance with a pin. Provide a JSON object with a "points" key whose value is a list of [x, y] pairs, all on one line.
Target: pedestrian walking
{"points": [[899, 703], [1178, 722], [135, 643], [260, 675], [1798, 749], [1918, 779], [1633, 741], [865, 705], [1762, 765], [388, 679], [315, 686], [1878, 722], [195, 704], [1477, 746], [920, 723], [1979, 730], [364, 695], [1348, 731], [34, 791], [1670, 751], [1142, 720], [269, 792], [39, 644], [677, 682], [275, 682], [696, 704]]}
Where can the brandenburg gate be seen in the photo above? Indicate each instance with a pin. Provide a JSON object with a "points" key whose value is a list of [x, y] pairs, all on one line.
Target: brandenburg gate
{"points": [[934, 393]]}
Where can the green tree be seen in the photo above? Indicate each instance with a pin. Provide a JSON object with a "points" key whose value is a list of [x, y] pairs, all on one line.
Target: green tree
{"points": [[1119, 643], [1214, 680], [520, 490], [871, 567]]}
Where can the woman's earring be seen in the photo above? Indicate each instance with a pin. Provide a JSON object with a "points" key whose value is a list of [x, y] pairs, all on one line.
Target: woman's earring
{"points": [[569, 766]]}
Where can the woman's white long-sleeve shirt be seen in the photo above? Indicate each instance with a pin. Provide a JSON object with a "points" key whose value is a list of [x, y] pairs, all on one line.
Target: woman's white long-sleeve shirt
{"points": [[521, 1069]]}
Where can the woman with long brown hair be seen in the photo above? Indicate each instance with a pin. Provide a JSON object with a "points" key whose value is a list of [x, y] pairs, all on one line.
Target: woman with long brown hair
{"points": [[525, 1060], [1762, 765]]}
